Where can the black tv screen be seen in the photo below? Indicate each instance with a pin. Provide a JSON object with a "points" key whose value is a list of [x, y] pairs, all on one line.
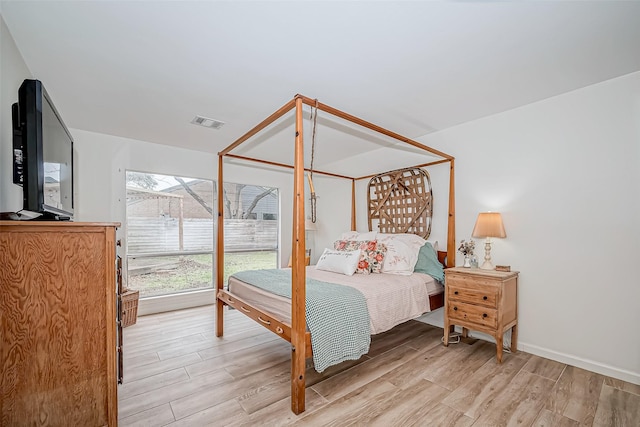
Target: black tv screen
{"points": [[43, 153]]}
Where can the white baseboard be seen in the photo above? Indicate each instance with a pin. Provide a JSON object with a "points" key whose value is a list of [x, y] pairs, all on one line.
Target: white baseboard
{"points": [[176, 302], [435, 318], [589, 365]]}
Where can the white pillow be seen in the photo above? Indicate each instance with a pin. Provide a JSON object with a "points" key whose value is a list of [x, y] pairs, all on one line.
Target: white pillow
{"points": [[408, 238], [354, 235], [402, 252], [343, 262]]}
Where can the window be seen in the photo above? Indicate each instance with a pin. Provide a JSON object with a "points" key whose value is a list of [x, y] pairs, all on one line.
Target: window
{"points": [[169, 233], [250, 228]]}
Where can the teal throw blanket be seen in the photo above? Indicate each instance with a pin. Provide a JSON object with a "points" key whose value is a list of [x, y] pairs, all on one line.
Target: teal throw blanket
{"points": [[428, 263], [336, 315]]}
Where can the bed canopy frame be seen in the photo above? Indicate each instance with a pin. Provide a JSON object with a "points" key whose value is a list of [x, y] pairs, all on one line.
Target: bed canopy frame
{"points": [[297, 334]]}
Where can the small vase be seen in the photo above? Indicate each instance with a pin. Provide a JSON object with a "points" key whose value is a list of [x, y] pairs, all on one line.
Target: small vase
{"points": [[474, 261], [467, 261]]}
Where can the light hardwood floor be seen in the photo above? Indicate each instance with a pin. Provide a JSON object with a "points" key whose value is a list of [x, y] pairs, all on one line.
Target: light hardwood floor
{"points": [[178, 373]]}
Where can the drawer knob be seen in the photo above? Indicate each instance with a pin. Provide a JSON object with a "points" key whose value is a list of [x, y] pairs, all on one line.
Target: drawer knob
{"points": [[455, 292], [484, 297], [484, 314]]}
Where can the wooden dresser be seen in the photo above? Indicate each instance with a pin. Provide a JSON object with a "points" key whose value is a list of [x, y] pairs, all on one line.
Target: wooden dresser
{"points": [[58, 324], [482, 300]]}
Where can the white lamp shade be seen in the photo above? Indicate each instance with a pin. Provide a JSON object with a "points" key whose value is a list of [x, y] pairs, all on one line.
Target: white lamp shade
{"points": [[489, 224], [310, 225]]}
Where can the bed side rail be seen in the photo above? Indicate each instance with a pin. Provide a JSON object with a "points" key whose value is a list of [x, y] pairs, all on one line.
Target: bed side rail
{"points": [[268, 321]]}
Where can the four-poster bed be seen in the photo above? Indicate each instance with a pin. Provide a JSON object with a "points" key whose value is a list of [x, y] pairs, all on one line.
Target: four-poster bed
{"points": [[383, 189]]}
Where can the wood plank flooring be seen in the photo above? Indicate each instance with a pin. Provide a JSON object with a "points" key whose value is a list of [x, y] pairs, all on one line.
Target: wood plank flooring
{"points": [[177, 373]]}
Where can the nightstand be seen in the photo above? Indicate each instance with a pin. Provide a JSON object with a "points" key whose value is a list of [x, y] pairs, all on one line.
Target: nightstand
{"points": [[482, 300]]}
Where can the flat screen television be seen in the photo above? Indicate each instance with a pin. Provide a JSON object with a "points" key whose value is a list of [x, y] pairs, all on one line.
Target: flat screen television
{"points": [[42, 153]]}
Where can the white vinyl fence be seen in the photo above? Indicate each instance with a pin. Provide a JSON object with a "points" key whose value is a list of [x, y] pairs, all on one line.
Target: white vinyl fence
{"points": [[161, 235]]}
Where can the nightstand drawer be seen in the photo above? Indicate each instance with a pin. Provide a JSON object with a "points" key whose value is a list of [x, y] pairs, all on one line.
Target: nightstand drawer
{"points": [[473, 282], [482, 295], [472, 313]]}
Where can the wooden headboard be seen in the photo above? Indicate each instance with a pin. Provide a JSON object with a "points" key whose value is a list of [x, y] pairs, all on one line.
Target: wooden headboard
{"points": [[401, 201], [442, 257]]}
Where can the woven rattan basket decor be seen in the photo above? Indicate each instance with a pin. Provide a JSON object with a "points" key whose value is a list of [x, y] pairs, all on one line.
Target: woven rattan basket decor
{"points": [[129, 308], [401, 201]]}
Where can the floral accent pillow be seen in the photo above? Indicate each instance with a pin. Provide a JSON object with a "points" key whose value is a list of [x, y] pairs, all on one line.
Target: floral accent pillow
{"points": [[371, 254], [402, 252]]}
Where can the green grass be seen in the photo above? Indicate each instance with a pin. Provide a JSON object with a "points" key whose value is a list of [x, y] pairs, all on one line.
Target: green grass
{"points": [[165, 275], [240, 261]]}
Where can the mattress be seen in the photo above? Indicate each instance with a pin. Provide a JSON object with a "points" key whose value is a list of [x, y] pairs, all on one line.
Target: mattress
{"points": [[391, 299]]}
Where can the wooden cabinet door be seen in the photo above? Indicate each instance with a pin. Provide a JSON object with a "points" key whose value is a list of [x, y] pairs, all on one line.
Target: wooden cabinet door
{"points": [[57, 318]]}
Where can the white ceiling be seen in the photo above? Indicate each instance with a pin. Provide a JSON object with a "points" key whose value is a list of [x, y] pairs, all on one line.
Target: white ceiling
{"points": [[144, 69]]}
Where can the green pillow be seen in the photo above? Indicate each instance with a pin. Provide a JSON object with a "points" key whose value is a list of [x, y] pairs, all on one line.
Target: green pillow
{"points": [[428, 263]]}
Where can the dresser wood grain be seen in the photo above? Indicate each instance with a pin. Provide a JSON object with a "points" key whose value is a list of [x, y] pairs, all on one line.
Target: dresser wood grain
{"points": [[58, 324], [482, 300]]}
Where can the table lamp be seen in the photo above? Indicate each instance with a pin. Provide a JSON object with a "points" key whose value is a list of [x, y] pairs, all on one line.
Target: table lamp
{"points": [[488, 225]]}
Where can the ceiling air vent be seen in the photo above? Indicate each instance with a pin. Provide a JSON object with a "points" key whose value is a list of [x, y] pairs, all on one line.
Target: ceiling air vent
{"points": [[207, 122]]}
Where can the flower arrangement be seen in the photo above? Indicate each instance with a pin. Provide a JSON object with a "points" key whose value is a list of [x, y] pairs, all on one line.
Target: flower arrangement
{"points": [[466, 248]]}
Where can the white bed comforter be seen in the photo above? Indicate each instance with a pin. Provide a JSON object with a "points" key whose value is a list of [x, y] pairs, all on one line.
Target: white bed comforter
{"points": [[391, 299]]}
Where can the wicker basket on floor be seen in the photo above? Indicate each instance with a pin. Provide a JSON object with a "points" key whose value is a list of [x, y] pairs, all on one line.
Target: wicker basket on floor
{"points": [[129, 308]]}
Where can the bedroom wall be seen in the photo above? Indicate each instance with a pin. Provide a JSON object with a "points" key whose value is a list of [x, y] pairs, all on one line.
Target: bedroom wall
{"points": [[13, 71], [565, 173]]}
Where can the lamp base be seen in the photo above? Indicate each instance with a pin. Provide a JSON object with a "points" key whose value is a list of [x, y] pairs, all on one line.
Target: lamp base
{"points": [[487, 266]]}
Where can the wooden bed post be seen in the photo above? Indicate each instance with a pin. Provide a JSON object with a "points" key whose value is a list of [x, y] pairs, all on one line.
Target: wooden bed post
{"points": [[298, 274], [451, 226], [220, 251], [353, 205]]}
